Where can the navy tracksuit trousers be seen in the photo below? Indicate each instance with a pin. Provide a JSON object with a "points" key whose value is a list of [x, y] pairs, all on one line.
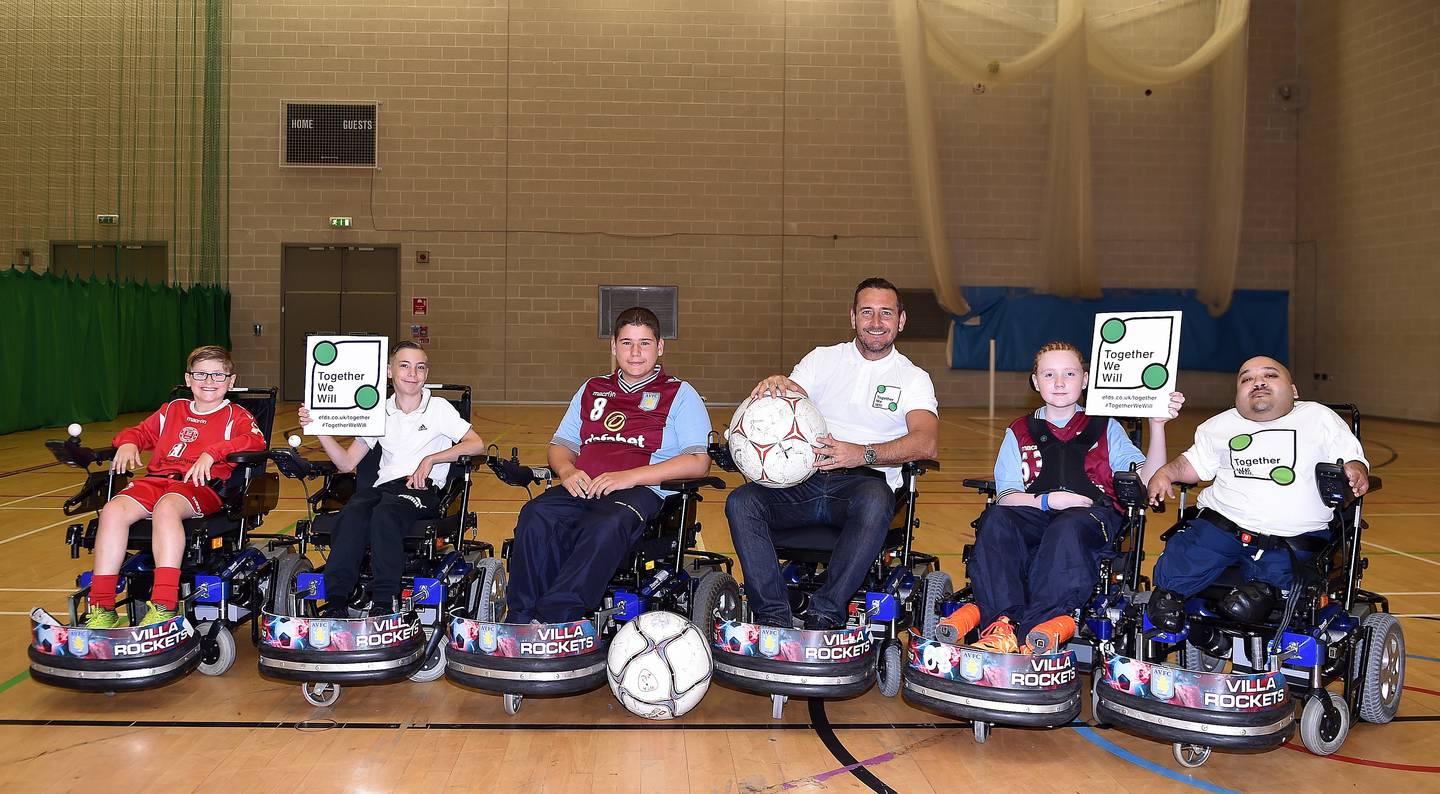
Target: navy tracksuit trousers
{"points": [[567, 549], [1031, 565]]}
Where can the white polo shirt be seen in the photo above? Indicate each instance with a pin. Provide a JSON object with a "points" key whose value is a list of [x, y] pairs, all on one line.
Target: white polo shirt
{"points": [[864, 401], [433, 427], [1264, 472]]}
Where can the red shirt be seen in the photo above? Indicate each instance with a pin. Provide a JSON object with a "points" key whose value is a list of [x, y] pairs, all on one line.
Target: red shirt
{"points": [[180, 436]]}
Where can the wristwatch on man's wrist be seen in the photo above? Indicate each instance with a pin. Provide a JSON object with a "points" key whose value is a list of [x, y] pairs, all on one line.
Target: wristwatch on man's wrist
{"points": [[869, 455]]}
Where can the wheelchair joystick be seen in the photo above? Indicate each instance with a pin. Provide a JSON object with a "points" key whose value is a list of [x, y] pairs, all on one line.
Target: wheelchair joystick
{"points": [[74, 431], [294, 442]]}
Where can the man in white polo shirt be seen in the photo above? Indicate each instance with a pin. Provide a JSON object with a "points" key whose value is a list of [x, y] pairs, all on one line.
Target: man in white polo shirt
{"points": [[423, 436], [1263, 511], [880, 410]]}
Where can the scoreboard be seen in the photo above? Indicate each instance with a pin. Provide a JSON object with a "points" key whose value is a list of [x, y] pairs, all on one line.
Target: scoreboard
{"points": [[329, 134]]}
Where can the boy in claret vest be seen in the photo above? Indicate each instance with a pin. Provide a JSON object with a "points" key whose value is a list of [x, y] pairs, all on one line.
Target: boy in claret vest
{"points": [[191, 439], [624, 434], [1037, 549]]}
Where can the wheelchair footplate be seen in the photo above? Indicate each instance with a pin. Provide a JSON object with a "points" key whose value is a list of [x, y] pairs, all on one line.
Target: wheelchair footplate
{"points": [[341, 650], [768, 660], [111, 660], [1243, 711], [525, 659], [1033, 691]]}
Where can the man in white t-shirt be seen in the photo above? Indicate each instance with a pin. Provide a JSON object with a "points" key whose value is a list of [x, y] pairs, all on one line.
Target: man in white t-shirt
{"points": [[1263, 511], [880, 411], [423, 436]]}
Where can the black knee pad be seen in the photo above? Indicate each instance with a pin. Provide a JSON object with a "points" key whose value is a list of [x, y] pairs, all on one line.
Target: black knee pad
{"points": [[1251, 602], [1166, 610]]}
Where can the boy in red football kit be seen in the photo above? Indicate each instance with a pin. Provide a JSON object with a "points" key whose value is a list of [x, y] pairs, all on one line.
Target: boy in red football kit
{"points": [[191, 439]]}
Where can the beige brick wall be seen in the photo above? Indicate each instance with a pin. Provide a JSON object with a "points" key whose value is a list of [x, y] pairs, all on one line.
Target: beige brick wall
{"points": [[752, 152], [1369, 205]]}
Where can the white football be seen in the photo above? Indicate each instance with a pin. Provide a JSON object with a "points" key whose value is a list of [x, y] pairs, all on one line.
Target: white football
{"points": [[659, 665], [772, 439]]}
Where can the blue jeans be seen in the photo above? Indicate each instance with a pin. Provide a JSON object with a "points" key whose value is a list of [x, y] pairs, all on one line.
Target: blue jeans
{"points": [[859, 507]]}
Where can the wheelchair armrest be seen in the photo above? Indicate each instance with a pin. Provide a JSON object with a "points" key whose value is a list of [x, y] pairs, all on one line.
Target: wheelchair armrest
{"points": [[296, 467], [1375, 484], [719, 453], [920, 466], [693, 484], [985, 487], [71, 453], [248, 458]]}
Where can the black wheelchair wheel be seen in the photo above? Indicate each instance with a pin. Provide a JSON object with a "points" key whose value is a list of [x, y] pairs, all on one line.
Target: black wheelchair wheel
{"points": [[487, 593], [716, 596], [937, 588], [1384, 667], [284, 596]]}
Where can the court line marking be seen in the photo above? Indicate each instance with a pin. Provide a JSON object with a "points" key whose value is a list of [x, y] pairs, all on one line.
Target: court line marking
{"points": [[32, 496], [1376, 545], [33, 531], [1116, 750], [36, 589]]}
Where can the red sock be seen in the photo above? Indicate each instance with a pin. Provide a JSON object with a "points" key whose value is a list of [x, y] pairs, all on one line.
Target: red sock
{"points": [[166, 591], [102, 590]]}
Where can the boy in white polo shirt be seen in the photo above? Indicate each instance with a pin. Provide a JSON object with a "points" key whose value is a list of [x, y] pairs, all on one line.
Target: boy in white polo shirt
{"points": [[423, 436], [880, 410], [1263, 511]]}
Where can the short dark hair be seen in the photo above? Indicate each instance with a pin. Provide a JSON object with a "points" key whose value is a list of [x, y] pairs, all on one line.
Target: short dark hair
{"points": [[636, 315], [877, 282], [406, 345]]}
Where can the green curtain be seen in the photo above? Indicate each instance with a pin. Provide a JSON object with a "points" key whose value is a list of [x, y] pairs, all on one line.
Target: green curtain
{"points": [[88, 350]]}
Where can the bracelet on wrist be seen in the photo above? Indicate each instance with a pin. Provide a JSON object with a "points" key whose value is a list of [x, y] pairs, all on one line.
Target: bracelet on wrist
{"points": [[1045, 501]]}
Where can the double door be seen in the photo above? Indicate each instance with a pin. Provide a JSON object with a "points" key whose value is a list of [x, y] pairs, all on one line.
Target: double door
{"points": [[333, 289]]}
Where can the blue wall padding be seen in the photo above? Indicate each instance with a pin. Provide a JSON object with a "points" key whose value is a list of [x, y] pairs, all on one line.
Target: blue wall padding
{"points": [[1020, 321]]}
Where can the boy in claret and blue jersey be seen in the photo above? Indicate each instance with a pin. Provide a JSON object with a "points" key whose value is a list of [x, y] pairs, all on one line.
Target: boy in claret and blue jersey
{"points": [[624, 434]]}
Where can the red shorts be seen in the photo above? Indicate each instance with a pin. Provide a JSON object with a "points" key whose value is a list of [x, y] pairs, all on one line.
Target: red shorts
{"points": [[148, 490]]}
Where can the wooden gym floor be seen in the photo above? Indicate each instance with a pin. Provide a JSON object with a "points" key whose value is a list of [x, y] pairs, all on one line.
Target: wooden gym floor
{"points": [[242, 732]]}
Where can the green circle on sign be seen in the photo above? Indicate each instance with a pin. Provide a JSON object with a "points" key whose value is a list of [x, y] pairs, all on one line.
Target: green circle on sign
{"points": [[1240, 442], [1155, 376], [1284, 475], [367, 397], [879, 389], [894, 406], [1113, 330], [325, 353]]}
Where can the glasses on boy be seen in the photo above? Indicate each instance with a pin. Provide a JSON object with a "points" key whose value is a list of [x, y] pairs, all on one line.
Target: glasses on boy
{"points": [[218, 377]]}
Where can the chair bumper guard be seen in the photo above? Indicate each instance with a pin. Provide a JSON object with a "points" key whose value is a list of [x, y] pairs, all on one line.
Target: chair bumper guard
{"points": [[341, 650], [1040, 691], [768, 660], [111, 660], [525, 659], [1242, 711]]}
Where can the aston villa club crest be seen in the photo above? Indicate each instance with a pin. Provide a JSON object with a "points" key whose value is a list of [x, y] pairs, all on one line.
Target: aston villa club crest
{"points": [[488, 640], [769, 642], [1162, 682], [649, 400], [972, 665], [320, 634], [79, 643]]}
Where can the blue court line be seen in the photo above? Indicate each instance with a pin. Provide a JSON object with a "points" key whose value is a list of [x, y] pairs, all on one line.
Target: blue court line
{"points": [[1120, 752], [1425, 658]]}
